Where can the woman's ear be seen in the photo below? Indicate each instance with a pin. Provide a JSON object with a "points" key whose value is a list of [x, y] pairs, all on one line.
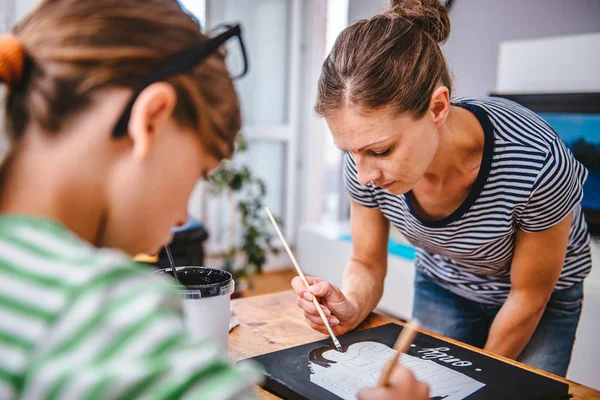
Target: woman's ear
{"points": [[154, 105], [439, 107]]}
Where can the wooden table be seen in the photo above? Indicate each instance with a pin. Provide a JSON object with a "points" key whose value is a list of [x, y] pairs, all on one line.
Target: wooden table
{"points": [[273, 322]]}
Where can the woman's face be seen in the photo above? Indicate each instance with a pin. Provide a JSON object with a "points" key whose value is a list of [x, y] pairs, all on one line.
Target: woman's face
{"points": [[392, 151]]}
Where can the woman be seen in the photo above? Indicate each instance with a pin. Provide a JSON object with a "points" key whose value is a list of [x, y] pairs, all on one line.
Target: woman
{"points": [[484, 189], [114, 109]]}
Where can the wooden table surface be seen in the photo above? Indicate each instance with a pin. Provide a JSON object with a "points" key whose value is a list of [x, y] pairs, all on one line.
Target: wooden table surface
{"points": [[273, 322]]}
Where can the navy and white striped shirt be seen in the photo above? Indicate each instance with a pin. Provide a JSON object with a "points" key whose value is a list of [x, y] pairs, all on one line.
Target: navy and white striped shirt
{"points": [[528, 180]]}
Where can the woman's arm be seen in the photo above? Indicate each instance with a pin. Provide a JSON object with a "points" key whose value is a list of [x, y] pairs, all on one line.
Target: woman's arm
{"points": [[367, 268], [362, 284], [536, 266]]}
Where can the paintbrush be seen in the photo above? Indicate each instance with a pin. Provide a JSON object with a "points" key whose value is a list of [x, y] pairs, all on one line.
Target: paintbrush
{"points": [[336, 342], [172, 262], [401, 346]]}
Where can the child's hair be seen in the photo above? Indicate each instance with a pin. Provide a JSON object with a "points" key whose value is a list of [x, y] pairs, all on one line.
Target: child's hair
{"points": [[66, 50], [391, 61]]}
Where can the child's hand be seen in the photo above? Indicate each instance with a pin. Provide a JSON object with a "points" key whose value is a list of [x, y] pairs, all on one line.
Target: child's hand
{"points": [[402, 386]]}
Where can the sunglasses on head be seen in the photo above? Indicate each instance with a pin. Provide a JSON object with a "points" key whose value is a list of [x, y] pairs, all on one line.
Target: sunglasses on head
{"points": [[182, 62]]}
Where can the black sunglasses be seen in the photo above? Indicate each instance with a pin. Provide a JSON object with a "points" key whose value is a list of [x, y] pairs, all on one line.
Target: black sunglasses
{"points": [[181, 62]]}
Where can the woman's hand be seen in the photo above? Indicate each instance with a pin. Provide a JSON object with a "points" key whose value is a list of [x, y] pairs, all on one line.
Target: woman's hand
{"points": [[341, 312], [402, 386], [363, 278]]}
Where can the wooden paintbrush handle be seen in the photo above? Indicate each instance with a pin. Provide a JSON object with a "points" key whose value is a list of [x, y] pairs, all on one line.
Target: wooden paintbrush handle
{"points": [[404, 340], [300, 273], [387, 370]]}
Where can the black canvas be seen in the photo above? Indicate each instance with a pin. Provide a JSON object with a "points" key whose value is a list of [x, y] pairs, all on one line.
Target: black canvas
{"points": [[288, 372]]}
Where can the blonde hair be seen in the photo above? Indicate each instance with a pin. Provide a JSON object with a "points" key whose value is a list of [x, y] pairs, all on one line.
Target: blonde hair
{"points": [[391, 61], [73, 48]]}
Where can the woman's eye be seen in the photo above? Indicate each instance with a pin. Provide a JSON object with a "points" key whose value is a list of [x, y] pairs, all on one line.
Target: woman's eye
{"points": [[383, 153]]}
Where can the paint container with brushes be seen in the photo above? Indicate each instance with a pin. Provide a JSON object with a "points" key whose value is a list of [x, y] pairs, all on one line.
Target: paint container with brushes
{"points": [[206, 296]]}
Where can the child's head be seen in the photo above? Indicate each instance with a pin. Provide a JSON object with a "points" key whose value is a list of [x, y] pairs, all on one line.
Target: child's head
{"points": [[82, 61]]}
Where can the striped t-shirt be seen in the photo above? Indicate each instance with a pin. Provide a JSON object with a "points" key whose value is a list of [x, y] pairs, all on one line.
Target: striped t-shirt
{"points": [[82, 323], [528, 180]]}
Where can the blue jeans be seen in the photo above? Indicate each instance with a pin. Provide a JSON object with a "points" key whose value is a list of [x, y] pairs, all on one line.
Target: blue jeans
{"points": [[550, 347]]}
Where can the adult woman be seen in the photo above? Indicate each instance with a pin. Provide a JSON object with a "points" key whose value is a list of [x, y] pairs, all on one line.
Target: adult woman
{"points": [[484, 189]]}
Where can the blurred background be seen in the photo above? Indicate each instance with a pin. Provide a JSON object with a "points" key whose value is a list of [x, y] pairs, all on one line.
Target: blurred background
{"points": [[543, 53]]}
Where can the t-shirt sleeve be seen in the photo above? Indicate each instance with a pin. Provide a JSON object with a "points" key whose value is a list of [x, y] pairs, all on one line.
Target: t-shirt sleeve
{"points": [[362, 194], [123, 336], [557, 190]]}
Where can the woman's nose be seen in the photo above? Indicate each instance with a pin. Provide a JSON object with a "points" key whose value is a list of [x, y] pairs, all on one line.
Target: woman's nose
{"points": [[366, 173]]}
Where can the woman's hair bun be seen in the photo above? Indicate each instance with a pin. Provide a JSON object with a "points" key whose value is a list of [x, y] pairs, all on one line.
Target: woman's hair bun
{"points": [[429, 15]]}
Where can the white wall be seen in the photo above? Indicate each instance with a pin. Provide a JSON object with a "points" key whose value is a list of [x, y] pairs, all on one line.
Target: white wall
{"points": [[478, 27], [362, 9], [525, 66], [22, 7]]}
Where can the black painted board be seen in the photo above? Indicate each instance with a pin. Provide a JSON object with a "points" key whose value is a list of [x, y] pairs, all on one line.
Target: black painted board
{"points": [[288, 374]]}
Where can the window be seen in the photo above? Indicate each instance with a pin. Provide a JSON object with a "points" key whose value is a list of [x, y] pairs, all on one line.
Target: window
{"points": [[269, 102], [197, 8], [330, 203]]}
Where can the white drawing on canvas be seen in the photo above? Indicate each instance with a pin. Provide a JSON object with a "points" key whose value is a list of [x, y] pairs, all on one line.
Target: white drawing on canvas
{"points": [[361, 365]]}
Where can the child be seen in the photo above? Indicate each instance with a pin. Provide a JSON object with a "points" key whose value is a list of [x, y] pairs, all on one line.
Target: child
{"points": [[76, 322], [105, 148]]}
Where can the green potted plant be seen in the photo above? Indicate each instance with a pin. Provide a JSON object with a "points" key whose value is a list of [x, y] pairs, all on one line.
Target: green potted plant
{"points": [[245, 195]]}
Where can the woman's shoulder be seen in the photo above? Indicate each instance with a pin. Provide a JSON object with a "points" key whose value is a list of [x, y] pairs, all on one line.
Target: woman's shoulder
{"points": [[515, 124]]}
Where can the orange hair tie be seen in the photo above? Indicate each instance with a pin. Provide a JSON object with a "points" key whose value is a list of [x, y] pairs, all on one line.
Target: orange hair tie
{"points": [[12, 57]]}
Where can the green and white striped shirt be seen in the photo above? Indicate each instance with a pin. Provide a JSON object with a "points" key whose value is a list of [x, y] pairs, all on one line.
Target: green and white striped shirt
{"points": [[81, 323]]}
